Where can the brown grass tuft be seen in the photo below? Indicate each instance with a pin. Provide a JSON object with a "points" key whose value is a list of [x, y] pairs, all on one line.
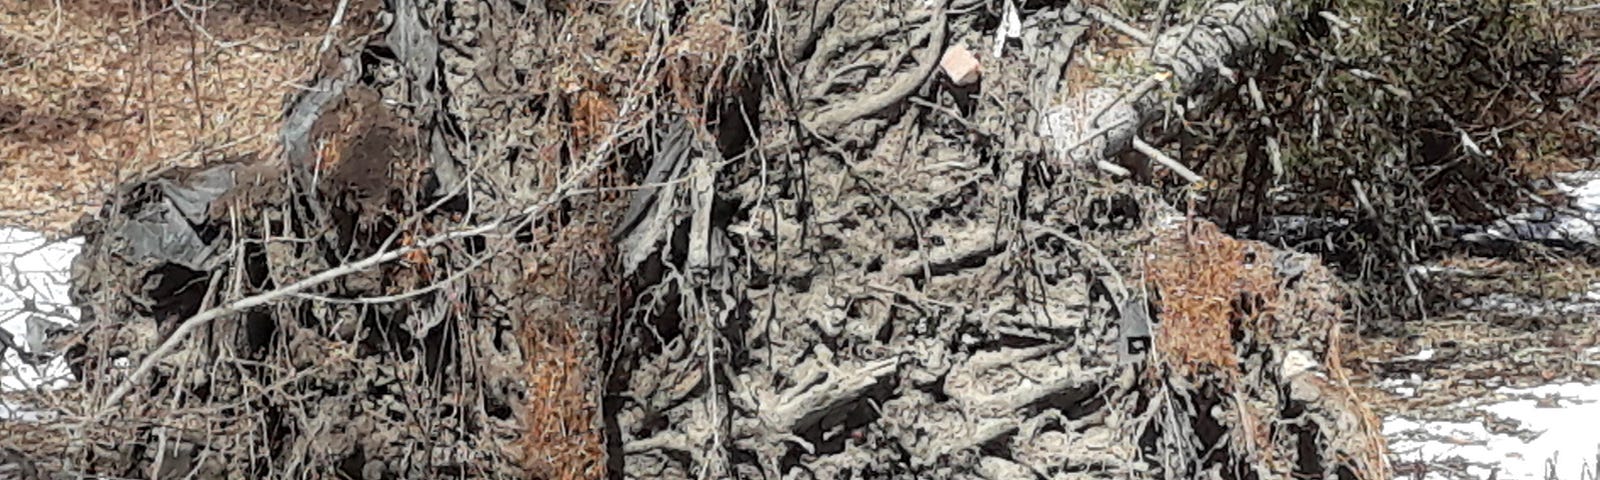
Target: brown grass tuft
{"points": [[1208, 281], [561, 441]]}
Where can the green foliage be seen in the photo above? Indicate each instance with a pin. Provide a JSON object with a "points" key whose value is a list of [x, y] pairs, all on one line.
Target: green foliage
{"points": [[1368, 103]]}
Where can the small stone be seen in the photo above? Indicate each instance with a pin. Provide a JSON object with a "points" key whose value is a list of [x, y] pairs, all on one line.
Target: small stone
{"points": [[961, 65]]}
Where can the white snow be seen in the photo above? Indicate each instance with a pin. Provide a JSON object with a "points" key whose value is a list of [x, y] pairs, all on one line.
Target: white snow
{"points": [[1562, 421], [23, 413], [1399, 387], [1584, 189], [32, 268], [1577, 224], [1565, 419]]}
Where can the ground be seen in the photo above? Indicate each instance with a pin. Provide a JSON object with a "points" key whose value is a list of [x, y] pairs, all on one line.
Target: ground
{"points": [[1508, 376], [95, 91]]}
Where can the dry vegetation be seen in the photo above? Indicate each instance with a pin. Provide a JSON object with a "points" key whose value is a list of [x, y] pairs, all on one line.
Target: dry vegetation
{"points": [[1210, 285], [100, 92], [1223, 301], [1400, 119], [562, 441], [94, 91]]}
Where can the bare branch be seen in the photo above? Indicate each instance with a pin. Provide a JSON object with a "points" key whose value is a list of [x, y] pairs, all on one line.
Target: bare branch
{"points": [[527, 215], [1155, 154]]}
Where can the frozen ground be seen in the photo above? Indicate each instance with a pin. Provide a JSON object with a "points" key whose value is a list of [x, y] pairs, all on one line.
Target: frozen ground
{"points": [[34, 275], [1552, 429]]}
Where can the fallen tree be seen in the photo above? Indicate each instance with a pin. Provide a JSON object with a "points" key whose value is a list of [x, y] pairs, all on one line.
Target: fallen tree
{"points": [[827, 260]]}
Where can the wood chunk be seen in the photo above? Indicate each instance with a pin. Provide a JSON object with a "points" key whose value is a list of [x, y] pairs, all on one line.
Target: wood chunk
{"points": [[961, 65]]}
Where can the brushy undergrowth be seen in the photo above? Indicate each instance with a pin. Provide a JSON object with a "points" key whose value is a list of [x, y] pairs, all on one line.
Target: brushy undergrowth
{"points": [[1395, 121]]}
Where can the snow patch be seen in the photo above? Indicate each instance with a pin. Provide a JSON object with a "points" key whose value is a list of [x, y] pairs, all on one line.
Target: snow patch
{"points": [[35, 274], [9, 411], [1563, 435], [1576, 224]]}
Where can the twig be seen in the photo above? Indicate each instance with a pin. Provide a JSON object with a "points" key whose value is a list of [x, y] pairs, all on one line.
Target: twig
{"points": [[432, 286], [1132, 95], [1102, 16], [202, 318], [1099, 257], [913, 296], [947, 111], [182, 7], [830, 47], [1161, 19], [526, 215], [1162, 158], [1336, 21], [829, 121], [333, 26], [1094, 133], [1112, 168], [821, 17]]}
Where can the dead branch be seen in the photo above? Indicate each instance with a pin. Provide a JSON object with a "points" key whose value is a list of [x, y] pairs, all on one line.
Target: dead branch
{"points": [[1155, 154], [1187, 55], [1102, 16], [516, 221], [832, 390]]}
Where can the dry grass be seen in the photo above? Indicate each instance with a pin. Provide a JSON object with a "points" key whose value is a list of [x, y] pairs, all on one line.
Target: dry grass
{"points": [[1212, 287], [561, 437], [96, 90], [1546, 277], [1207, 282], [561, 441]]}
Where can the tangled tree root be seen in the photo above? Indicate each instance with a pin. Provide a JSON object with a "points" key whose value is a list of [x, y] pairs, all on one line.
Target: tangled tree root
{"points": [[912, 283], [931, 297]]}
